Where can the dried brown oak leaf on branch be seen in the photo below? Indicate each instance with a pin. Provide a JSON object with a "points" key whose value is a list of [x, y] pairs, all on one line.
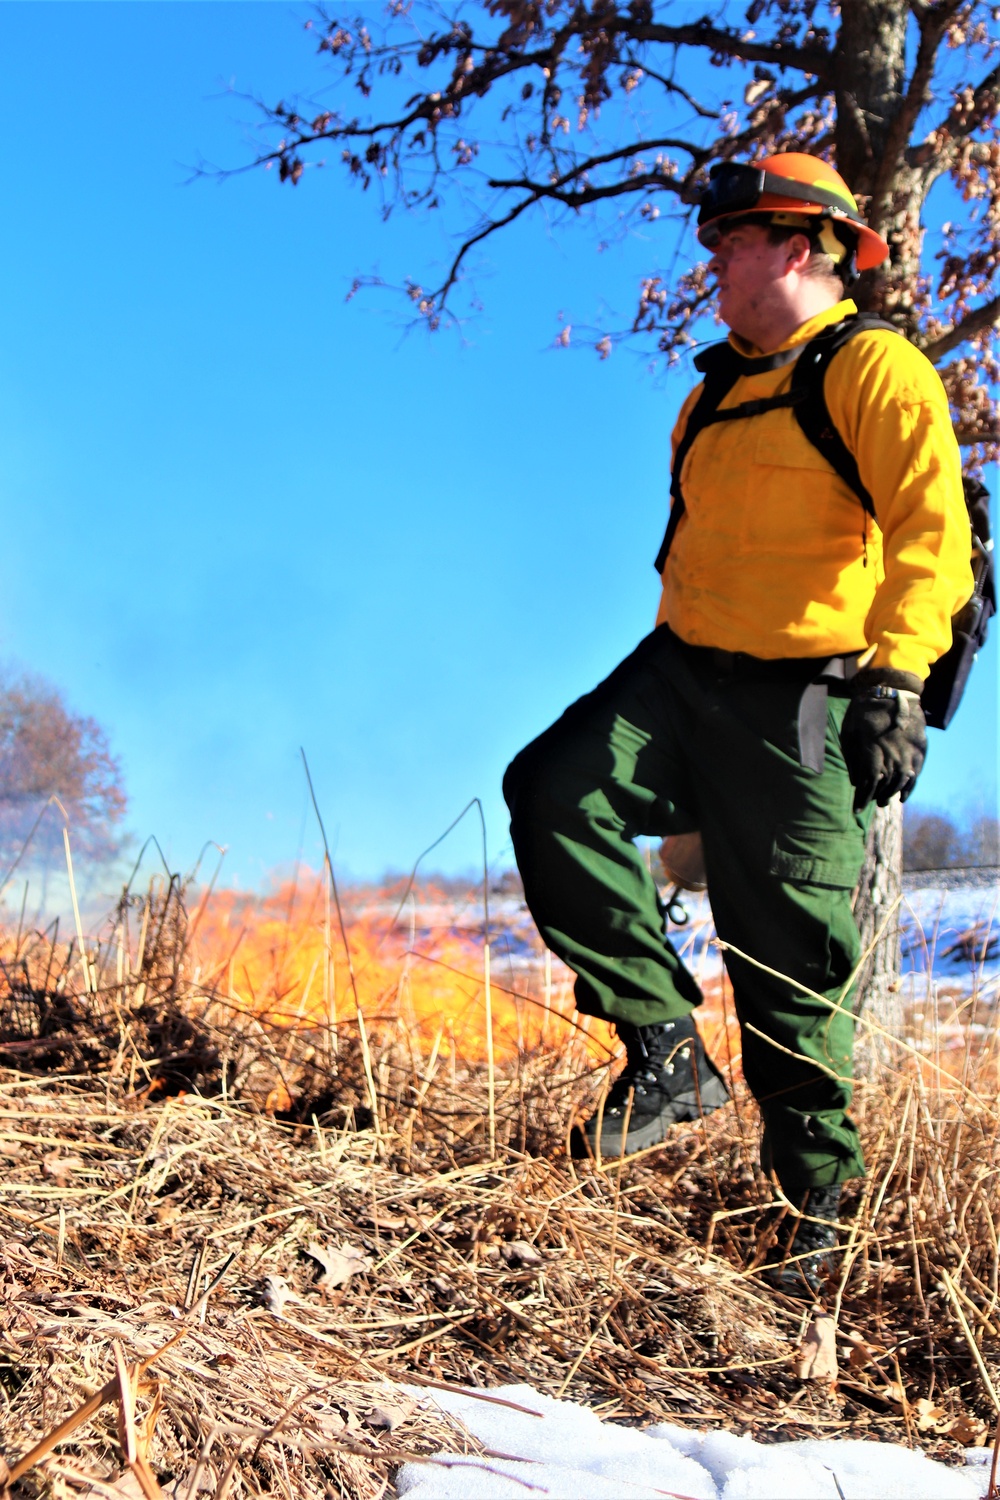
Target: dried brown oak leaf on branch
{"points": [[609, 117]]}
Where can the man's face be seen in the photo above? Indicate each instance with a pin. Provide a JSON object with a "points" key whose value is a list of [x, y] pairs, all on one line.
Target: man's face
{"points": [[750, 271]]}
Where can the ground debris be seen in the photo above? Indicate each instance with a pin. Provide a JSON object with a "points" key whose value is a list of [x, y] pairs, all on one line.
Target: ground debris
{"points": [[339, 1265], [154, 1202], [818, 1355]]}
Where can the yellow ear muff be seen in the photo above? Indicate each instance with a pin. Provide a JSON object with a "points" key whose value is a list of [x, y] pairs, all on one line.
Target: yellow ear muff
{"points": [[821, 231], [830, 242]]}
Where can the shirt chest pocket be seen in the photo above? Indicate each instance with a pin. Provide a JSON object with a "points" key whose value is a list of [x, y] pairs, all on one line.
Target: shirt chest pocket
{"points": [[791, 489], [757, 486]]}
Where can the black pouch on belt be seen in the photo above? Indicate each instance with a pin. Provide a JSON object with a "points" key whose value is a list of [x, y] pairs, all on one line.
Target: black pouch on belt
{"points": [[812, 708], [817, 674]]}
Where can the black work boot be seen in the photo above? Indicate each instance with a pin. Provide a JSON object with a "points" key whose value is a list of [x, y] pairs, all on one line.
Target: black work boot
{"points": [[804, 1261], [669, 1077]]}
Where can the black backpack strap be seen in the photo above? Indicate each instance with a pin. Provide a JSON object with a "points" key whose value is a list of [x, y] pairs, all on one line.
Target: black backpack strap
{"points": [[809, 404], [720, 366], [948, 675], [977, 500]]}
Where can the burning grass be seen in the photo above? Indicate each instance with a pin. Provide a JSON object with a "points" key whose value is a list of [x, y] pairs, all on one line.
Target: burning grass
{"points": [[249, 1191]]}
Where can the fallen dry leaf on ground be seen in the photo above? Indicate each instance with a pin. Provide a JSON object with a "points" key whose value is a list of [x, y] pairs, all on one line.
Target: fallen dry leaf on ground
{"points": [[863, 1353], [60, 1168], [389, 1416], [520, 1253], [275, 1292], [818, 1354], [971, 1432], [928, 1417], [338, 1265]]}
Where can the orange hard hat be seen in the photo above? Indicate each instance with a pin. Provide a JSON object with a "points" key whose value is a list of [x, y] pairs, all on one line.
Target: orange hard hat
{"points": [[782, 189]]}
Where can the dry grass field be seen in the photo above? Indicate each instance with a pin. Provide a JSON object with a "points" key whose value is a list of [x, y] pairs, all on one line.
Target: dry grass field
{"points": [[268, 1171]]}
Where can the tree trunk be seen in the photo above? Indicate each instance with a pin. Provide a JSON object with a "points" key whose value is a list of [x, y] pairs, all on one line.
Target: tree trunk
{"points": [[880, 995], [870, 79], [871, 137], [871, 155]]}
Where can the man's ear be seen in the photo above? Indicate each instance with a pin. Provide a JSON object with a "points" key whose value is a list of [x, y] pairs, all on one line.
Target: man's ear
{"points": [[798, 249]]}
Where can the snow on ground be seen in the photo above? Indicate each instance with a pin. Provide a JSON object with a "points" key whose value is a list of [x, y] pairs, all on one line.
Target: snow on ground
{"points": [[949, 921], [540, 1446], [951, 939]]}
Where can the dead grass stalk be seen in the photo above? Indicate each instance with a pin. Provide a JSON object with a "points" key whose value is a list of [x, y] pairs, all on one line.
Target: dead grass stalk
{"points": [[235, 1244]]}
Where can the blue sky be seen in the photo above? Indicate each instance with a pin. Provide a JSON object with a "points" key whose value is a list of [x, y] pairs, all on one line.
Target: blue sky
{"points": [[242, 515]]}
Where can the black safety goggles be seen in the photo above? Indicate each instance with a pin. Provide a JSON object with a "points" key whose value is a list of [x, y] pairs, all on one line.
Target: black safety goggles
{"points": [[735, 188]]}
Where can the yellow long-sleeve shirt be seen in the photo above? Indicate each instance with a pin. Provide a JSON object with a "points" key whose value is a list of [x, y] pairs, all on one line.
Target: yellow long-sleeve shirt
{"points": [[775, 556]]}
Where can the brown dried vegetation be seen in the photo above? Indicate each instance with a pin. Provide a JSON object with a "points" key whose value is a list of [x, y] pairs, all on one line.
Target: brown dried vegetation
{"points": [[243, 1296]]}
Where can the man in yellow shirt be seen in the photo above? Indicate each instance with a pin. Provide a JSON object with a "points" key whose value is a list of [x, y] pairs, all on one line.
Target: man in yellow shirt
{"points": [[776, 700]]}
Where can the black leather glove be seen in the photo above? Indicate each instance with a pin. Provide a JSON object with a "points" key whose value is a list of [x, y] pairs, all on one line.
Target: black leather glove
{"points": [[884, 738]]}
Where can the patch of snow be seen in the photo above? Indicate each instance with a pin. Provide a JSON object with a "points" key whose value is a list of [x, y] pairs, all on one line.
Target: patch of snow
{"points": [[934, 921], [805, 1470], [562, 1450], [574, 1454]]}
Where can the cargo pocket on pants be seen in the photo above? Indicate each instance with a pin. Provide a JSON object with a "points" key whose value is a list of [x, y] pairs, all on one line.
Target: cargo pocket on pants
{"points": [[818, 856], [818, 868]]}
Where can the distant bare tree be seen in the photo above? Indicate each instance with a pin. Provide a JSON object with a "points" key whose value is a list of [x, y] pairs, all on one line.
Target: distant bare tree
{"points": [[47, 751], [981, 842], [935, 841], [931, 841]]}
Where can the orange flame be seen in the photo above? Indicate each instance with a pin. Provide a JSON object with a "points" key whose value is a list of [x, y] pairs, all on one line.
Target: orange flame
{"points": [[282, 956]]}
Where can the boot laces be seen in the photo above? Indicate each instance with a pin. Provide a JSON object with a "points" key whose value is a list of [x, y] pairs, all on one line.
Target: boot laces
{"points": [[659, 1049]]}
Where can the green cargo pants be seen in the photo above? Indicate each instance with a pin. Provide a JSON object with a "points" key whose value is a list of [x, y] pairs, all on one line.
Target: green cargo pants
{"points": [[681, 738]]}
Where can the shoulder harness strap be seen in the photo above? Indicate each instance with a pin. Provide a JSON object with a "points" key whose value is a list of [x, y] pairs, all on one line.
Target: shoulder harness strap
{"points": [[720, 373], [809, 401], [721, 365]]}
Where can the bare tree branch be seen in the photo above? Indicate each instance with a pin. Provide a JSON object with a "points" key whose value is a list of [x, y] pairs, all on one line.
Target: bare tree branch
{"points": [[816, 60], [939, 147], [699, 154], [580, 198], [441, 294], [972, 437], [584, 196], [672, 87], [974, 322]]}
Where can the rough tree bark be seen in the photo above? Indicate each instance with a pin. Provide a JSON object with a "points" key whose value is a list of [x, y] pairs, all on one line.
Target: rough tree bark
{"points": [[871, 78], [880, 994]]}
